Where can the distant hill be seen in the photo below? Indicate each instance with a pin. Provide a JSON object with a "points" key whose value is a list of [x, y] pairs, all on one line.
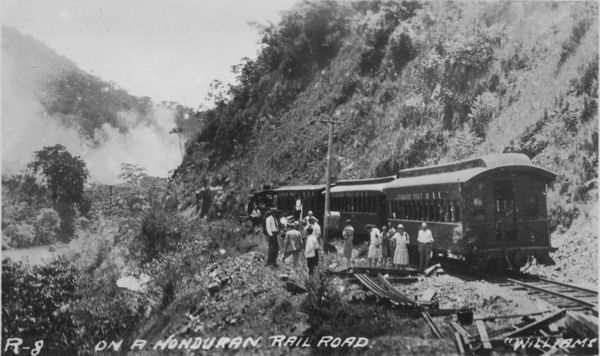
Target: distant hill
{"points": [[79, 99], [47, 99]]}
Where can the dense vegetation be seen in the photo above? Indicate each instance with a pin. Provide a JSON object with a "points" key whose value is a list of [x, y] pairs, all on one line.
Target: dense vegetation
{"points": [[413, 83]]}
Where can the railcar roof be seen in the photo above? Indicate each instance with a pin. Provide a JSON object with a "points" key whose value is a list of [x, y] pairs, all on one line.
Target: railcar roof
{"points": [[432, 179], [464, 175], [487, 161], [288, 188], [365, 181], [359, 188]]}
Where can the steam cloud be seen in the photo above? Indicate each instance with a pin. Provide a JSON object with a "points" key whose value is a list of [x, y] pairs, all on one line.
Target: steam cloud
{"points": [[26, 128]]}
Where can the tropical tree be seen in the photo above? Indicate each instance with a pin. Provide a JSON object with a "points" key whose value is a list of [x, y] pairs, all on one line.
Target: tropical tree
{"points": [[64, 175]]}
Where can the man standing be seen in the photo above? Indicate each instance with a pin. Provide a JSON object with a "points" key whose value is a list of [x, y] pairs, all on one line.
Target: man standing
{"points": [[315, 226], [425, 240], [311, 251], [293, 244], [272, 232]]}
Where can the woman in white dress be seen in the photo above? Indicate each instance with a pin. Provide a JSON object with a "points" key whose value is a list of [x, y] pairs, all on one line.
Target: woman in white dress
{"points": [[401, 253], [374, 246]]}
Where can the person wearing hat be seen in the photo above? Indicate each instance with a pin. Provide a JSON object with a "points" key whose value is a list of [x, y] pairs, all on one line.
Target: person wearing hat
{"points": [[272, 232], [425, 240], [348, 235], [311, 251], [401, 240], [309, 216], [293, 243], [374, 246]]}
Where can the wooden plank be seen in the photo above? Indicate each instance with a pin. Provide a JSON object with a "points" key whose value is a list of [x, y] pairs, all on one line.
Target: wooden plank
{"points": [[483, 335], [509, 316], [427, 296], [432, 325], [461, 330], [582, 324], [531, 327], [431, 269], [465, 335], [459, 343]]}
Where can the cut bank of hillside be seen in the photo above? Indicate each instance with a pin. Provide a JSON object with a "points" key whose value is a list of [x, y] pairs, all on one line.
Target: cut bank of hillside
{"points": [[413, 83]]}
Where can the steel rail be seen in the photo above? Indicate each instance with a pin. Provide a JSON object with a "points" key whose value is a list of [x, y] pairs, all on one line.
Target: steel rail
{"points": [[561, 295], [587, 290]]}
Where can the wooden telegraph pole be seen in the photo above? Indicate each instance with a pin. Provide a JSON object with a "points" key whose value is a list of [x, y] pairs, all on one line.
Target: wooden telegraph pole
{"points": [[330, 123]]}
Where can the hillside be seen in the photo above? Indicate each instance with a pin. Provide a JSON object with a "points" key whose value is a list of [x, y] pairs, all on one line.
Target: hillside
{"points": [[47, 93], [412, 83]]}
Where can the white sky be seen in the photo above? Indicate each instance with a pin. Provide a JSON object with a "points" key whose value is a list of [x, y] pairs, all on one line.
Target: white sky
{"points": [[165, 49]]}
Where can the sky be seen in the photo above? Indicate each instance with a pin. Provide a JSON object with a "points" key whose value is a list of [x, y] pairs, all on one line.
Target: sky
{"points": [[165, 49]]}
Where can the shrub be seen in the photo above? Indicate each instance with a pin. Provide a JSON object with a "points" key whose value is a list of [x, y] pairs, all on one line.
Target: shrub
{"points": [[47, 224], [36, 304], [401, 50], [159, 232], [20, 235], [329, 314]]}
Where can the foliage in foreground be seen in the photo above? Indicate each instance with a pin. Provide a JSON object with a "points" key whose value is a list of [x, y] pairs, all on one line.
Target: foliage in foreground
{"points": [[330, 314], [61, 305]]}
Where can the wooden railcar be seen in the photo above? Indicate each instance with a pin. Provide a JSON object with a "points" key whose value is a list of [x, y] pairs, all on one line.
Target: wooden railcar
{"points": [[488, 210], [264, 199], [310, 195], [360, 200]]}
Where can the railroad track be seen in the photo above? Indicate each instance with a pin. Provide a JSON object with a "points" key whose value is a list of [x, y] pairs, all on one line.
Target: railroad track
{"points": [[562, 295]]}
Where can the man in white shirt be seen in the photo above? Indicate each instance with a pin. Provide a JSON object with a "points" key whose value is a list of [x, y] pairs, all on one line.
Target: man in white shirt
{"points": [[311, 251], [272, 232], [425, 240]]}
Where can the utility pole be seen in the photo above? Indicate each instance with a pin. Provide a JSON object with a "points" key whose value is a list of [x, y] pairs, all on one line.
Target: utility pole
{"points": [[330, 123]]}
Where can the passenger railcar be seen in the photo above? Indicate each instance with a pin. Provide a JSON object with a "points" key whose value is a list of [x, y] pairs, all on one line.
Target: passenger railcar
{"points": [[310, 195], [264, 199], [490, 210], [360, 200]]}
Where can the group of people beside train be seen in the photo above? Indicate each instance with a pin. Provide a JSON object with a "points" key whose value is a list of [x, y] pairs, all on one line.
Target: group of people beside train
{"points": [[389, 246], [292, 238]]}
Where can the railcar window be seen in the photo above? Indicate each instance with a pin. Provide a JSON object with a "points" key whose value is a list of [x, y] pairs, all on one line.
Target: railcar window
{"points": [[457, 212], [531, 207], [446, 212], [478, 210]]}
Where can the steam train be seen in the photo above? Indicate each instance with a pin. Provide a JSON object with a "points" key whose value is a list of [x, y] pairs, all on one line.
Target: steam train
{"points": [[488, 211]]}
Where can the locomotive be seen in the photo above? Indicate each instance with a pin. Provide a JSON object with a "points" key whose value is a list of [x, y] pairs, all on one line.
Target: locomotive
{"points": [[489, 211]]}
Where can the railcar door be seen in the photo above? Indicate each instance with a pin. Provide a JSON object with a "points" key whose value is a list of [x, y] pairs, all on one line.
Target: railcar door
{"points": [[505, 210]]}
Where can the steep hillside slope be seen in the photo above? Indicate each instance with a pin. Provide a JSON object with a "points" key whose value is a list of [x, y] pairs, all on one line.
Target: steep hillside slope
{"points": [[412, 83]]}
